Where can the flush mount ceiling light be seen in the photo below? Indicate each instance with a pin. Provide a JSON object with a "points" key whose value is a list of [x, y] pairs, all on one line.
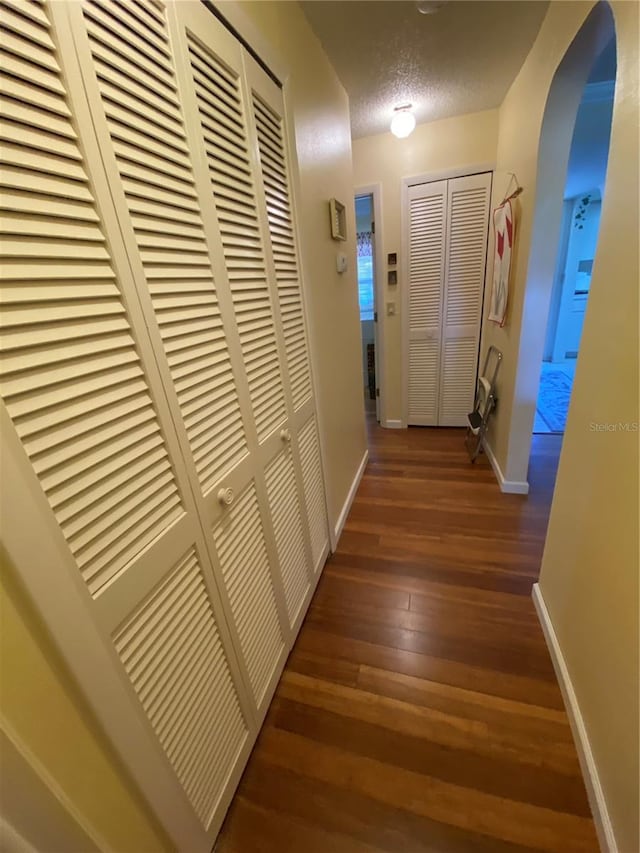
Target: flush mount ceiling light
{"points": [[403, 121], [429, 7]]}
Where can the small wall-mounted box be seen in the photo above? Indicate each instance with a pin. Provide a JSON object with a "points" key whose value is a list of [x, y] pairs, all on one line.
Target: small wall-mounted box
{"points": [[338, 219]]}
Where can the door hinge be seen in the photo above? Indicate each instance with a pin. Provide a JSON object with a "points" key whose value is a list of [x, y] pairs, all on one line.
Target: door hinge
{"points": [[377, 392], [373, 227], [375, 316]]}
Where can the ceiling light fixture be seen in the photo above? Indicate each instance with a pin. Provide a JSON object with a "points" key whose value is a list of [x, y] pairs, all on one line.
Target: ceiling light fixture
{"points": [[403, 121], [429, 7]]}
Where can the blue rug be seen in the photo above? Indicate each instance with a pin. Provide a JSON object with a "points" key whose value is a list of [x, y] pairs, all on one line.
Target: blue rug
{"points": [[553, 399]]}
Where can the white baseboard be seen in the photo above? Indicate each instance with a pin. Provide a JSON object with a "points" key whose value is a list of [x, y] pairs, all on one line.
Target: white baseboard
{"points": [[595, 793], [510, 487], [393, 424], [347, 504]]}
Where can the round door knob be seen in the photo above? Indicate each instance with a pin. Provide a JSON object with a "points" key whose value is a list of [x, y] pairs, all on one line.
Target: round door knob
{"points": [[225, 496], [285, 434]]}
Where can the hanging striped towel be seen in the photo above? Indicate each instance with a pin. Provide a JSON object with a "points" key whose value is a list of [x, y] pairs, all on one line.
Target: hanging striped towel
{"points": [[503, 226]]}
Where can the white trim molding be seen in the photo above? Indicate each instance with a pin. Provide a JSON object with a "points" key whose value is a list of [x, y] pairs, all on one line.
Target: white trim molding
{"points": [[447, 174], [394, 424], [342, 518], [601, 819], [509, 487]]}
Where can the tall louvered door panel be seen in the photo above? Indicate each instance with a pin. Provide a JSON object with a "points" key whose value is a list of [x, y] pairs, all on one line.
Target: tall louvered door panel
{"points": [[276, 202], [217, 101], [427, 208], [99, 511], [467, 224]]}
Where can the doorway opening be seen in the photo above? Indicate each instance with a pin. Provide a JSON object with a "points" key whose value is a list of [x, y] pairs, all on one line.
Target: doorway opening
{"points": [[583, 192], [366, 260]]}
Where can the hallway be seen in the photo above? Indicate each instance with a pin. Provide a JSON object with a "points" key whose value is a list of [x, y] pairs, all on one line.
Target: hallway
{"points": [[419, 709]]}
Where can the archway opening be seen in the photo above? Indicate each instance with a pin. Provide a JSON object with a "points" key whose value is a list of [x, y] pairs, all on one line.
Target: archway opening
{"points": [[592, 50], [583, 193]]}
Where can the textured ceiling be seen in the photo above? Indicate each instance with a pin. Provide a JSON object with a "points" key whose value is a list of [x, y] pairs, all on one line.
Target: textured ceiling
{"points": [[459, 60]]}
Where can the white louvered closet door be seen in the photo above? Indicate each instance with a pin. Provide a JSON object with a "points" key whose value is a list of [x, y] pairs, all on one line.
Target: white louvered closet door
{"points": [[214, 87], [447, 249], [130, 78], [467, 224], [427, 208], [101, 517]]}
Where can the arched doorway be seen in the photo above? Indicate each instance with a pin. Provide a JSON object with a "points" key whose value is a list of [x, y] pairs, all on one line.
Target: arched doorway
{"points": [[582, 203], [596, 35]]}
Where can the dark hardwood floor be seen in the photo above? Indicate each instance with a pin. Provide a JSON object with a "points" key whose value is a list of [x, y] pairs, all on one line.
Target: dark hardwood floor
{"points": [[419, 710]]}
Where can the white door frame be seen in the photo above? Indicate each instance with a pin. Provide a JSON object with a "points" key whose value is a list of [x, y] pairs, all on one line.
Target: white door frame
{"points": [[375, 191], [403, 267]]}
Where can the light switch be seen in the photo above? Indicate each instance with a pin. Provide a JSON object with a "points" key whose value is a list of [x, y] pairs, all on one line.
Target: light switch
{"points": [[341, 262], [391, 309]]}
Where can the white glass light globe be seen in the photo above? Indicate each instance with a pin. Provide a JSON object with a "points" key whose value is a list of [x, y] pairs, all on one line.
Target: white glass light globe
{"points": [[403, 123]]}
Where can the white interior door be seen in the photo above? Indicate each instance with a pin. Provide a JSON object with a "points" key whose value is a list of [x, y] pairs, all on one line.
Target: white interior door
{"points": [[468, 201], [276, 205], [427, 221]]}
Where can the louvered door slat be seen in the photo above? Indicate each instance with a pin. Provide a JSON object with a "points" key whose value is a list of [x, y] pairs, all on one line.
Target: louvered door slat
{"points": [[27, 27], [157, 179], [24, 71], [222, 120], [426, 246], [273, 162], [28, 10], [467, 226]]}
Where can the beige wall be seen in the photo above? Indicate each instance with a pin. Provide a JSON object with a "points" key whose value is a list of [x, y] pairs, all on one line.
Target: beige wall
{"points": [[45, 713], [589, 574], [460, 142], [319, 109]]}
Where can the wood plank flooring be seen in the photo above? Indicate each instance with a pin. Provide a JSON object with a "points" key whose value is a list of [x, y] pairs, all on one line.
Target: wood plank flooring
{"points": [[419, 710]]}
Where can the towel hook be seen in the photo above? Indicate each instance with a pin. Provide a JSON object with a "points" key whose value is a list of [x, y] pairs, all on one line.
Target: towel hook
{"points": [[516, 192]]}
